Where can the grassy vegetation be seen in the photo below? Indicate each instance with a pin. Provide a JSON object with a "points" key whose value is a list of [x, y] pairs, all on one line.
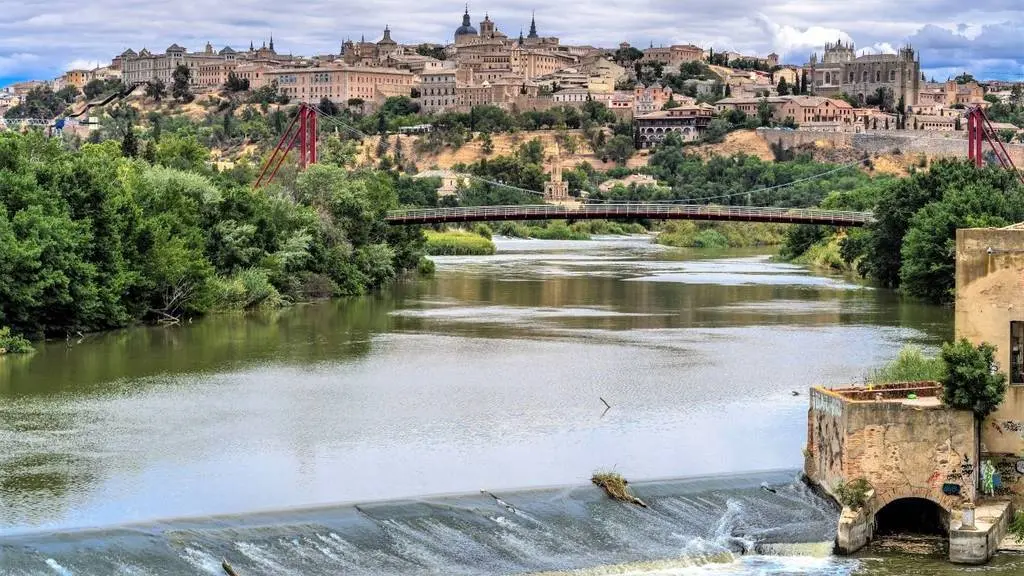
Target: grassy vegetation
{"points": [[458, 243], [689, 234], [910, 366], [853, 495], [12, 343], [560, 230], [616, 487], [826, 254]]}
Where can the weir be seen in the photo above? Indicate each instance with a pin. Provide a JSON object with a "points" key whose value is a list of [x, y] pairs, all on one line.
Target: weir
{"points": [[693, 522]]}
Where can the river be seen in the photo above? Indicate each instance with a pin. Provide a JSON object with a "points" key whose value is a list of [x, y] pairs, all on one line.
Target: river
{"points": [[356, 436]]}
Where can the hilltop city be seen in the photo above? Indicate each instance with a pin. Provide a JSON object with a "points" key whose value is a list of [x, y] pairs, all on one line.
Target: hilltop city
{"points": [[675, 88]]}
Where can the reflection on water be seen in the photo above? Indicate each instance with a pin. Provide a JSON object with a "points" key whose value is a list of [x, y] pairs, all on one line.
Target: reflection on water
{"points": [[487, 375]]}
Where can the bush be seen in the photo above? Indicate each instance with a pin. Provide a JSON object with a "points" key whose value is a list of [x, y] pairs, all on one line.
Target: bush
{"points": [[910, 366], [971, 381], [458, 243], [853, 495], [13, 343], [710, 238], [483, 230], [426, 266], [557, 230], [246, 290]]}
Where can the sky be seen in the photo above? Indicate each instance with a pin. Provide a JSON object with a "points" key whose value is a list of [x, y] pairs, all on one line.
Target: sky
{"points": [[986, 37]]}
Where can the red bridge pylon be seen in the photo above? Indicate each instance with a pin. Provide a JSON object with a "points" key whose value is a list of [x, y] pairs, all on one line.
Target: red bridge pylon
{"points": [[980, 130], [302, 131]]}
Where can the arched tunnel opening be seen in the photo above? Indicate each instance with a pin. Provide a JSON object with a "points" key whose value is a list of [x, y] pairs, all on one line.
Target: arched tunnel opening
{"points": [[912, 516]]}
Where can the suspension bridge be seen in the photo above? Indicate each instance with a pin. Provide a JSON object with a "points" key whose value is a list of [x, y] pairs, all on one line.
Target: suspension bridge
{"points": [[630, 211]]}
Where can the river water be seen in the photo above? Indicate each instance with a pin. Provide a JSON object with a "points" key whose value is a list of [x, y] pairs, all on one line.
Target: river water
{"points": [[357, 436]]}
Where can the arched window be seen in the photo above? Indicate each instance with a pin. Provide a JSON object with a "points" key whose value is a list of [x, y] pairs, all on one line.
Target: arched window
{"points": [[892, 75], [864, 76], [851, 78], [878, 76], [828, 78]]}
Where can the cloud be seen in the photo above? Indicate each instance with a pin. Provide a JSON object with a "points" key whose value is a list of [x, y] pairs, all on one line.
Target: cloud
{"points": [[42, 38]]}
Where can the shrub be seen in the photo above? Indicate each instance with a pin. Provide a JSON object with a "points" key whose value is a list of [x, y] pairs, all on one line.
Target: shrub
{"points": [[910, 366], [483, 230], [711, 238], [1017, 527], [853, 495], [426, 266], [971, 382], [458, 243], [13, 343], [246, 290]]}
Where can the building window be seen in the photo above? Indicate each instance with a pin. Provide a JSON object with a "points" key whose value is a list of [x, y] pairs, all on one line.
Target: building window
{"points": [[878, 76], [892, 76], [1017, 352]]}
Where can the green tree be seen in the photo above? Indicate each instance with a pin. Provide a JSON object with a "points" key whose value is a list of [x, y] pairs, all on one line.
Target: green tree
{"points": [[156, 89], [783, 87], [130, 144], [181, 89], [964, 78], [619, 149], [236, 84], [716, 131], [928, 254], [764, 112], [68, 94], [181, 153]]}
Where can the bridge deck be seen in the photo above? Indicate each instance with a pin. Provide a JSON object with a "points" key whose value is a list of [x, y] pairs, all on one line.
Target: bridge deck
{"points": [[629, 211]]}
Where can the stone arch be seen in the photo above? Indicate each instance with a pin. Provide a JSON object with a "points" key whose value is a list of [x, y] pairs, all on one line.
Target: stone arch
{"points": [[913, 515]]}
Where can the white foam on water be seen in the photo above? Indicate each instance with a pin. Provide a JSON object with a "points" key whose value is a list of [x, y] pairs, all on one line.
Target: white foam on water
{"points": [[264, 558], [58, 568], [202, 560]]}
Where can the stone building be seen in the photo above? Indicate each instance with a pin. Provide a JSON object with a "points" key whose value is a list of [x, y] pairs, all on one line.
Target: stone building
{"points": [[950, 93], [674, 55], [650, 98], [340, 83], [803, 109], [207, 66], [840, 70], [437, 91], [688, 122]]}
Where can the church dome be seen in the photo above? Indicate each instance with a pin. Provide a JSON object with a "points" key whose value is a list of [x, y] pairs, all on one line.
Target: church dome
{"points": [[467, 27]]}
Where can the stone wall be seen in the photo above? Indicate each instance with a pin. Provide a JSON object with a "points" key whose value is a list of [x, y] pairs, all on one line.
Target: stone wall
{"points": [[933, 144], [902, 450], [990, 295]]}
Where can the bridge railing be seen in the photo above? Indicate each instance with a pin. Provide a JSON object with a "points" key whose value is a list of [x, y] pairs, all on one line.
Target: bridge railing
{"points": [[629, 210]]}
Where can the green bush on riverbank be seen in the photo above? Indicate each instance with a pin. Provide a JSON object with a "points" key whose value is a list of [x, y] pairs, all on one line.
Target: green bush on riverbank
{"points": [[689, 234], [561, 230], [12, 343], [458, 243], [91, 239]]}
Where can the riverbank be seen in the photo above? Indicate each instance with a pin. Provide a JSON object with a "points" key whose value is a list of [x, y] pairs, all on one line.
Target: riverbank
{"points": [[455, 242]]}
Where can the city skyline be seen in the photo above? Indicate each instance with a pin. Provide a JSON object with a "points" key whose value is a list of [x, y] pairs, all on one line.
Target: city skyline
{"points": [[36, 43]]}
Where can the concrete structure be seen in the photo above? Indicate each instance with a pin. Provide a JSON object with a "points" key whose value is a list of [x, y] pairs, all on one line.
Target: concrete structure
{"points": [[914, 452], [687, 122], [841, 70], [990, 308]]}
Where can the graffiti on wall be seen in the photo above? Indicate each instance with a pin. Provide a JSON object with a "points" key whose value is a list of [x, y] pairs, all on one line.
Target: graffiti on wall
{"points": [[826, 403], [1015, 426]]}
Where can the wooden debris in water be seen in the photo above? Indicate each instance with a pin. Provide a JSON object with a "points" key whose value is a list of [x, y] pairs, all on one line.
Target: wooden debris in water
{"points": [[227, 568], [616, 487]]}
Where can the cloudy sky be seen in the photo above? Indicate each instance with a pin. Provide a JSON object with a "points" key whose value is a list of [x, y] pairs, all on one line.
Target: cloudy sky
{"points": [[986, 37]]}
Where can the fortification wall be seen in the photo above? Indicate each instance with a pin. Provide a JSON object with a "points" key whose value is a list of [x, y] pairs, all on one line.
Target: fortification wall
{"points": [[932, 144]]}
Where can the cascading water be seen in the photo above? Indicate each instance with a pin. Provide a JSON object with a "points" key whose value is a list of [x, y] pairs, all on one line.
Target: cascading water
{"points": [[716, 525]]}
